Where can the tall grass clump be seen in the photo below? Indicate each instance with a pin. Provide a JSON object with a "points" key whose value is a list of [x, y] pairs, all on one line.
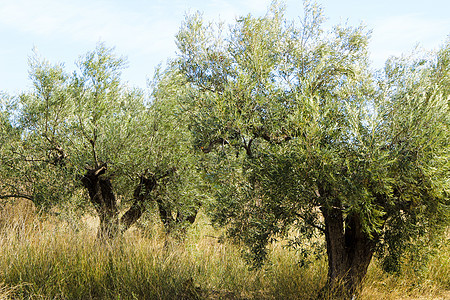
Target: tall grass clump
{"points": [[55, 265], [287, 278], [421, 277], [49, 258]]}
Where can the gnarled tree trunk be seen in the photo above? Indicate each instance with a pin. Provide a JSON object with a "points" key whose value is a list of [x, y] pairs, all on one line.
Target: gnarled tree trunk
{"points": [[349, 251], [141, 193], [102, 197]]}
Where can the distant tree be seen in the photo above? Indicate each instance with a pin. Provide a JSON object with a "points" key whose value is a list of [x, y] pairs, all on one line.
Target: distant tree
{"points": [[8, 137], [301, 135], [180, 201], [89, 130]]}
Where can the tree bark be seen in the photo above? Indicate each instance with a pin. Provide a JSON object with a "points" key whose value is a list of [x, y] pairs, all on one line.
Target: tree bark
{"points": [[102, 197], [349, 251], [141, 193], [360, 248], [165, 214]]}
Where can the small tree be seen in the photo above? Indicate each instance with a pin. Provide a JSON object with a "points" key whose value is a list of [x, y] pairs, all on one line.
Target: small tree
{"points": [[9, 136], [89, 130], [303, 136]]}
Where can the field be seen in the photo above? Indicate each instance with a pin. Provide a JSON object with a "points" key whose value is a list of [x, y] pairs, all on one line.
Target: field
{"points": [[51, 257]]}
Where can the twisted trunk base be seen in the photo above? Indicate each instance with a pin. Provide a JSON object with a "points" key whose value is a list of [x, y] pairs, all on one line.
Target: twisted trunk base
{"points": [[102, 197], [349, 251], [141, 193]]}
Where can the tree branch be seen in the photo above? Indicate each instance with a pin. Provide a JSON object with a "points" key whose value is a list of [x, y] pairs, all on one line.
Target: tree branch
{"points": [[219, 141], [137, 208], [97, 170], [308, 222], [23, 196], [261, 133], [169, 172], [247, 147]]}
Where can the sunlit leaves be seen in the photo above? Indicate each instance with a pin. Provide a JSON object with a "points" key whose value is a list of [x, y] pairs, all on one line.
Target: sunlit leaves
{"points": [[299, 121], [68, 122]]}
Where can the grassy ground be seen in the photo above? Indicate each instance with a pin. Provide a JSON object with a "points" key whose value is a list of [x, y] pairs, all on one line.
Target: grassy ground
{"points": [[46, 258]]}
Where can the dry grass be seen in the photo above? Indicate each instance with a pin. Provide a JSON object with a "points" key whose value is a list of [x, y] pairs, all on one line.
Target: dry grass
{"points": [[433, 282], [46, 258]]}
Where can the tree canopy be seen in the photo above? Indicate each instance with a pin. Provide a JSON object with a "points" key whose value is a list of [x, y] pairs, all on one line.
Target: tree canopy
{"points": [[302, 134], [89, 130], [283, 124]]}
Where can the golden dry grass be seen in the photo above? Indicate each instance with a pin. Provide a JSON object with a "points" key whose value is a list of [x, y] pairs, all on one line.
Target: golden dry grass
{"points": [[49, 258]]}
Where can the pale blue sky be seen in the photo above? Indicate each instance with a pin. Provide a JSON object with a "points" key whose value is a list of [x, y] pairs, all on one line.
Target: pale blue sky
{"points": [[144, 30]]}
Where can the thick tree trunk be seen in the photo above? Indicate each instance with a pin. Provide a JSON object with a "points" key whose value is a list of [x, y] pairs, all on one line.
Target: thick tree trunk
{"points": [[165, 214], [349, 251], [360, 248], [102, 197], [141, 193], [334, 236]]}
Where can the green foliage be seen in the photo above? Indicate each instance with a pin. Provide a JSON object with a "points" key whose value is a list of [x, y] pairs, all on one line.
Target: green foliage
{"points": [[6, 128], [172, 146], [69, 122], [274, 124], [415, 127], [295, 123]]}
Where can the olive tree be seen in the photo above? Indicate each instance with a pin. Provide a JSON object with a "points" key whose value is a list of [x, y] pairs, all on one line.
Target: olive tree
{"points": [[88, 130], [302, 135], [8, 137]]}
